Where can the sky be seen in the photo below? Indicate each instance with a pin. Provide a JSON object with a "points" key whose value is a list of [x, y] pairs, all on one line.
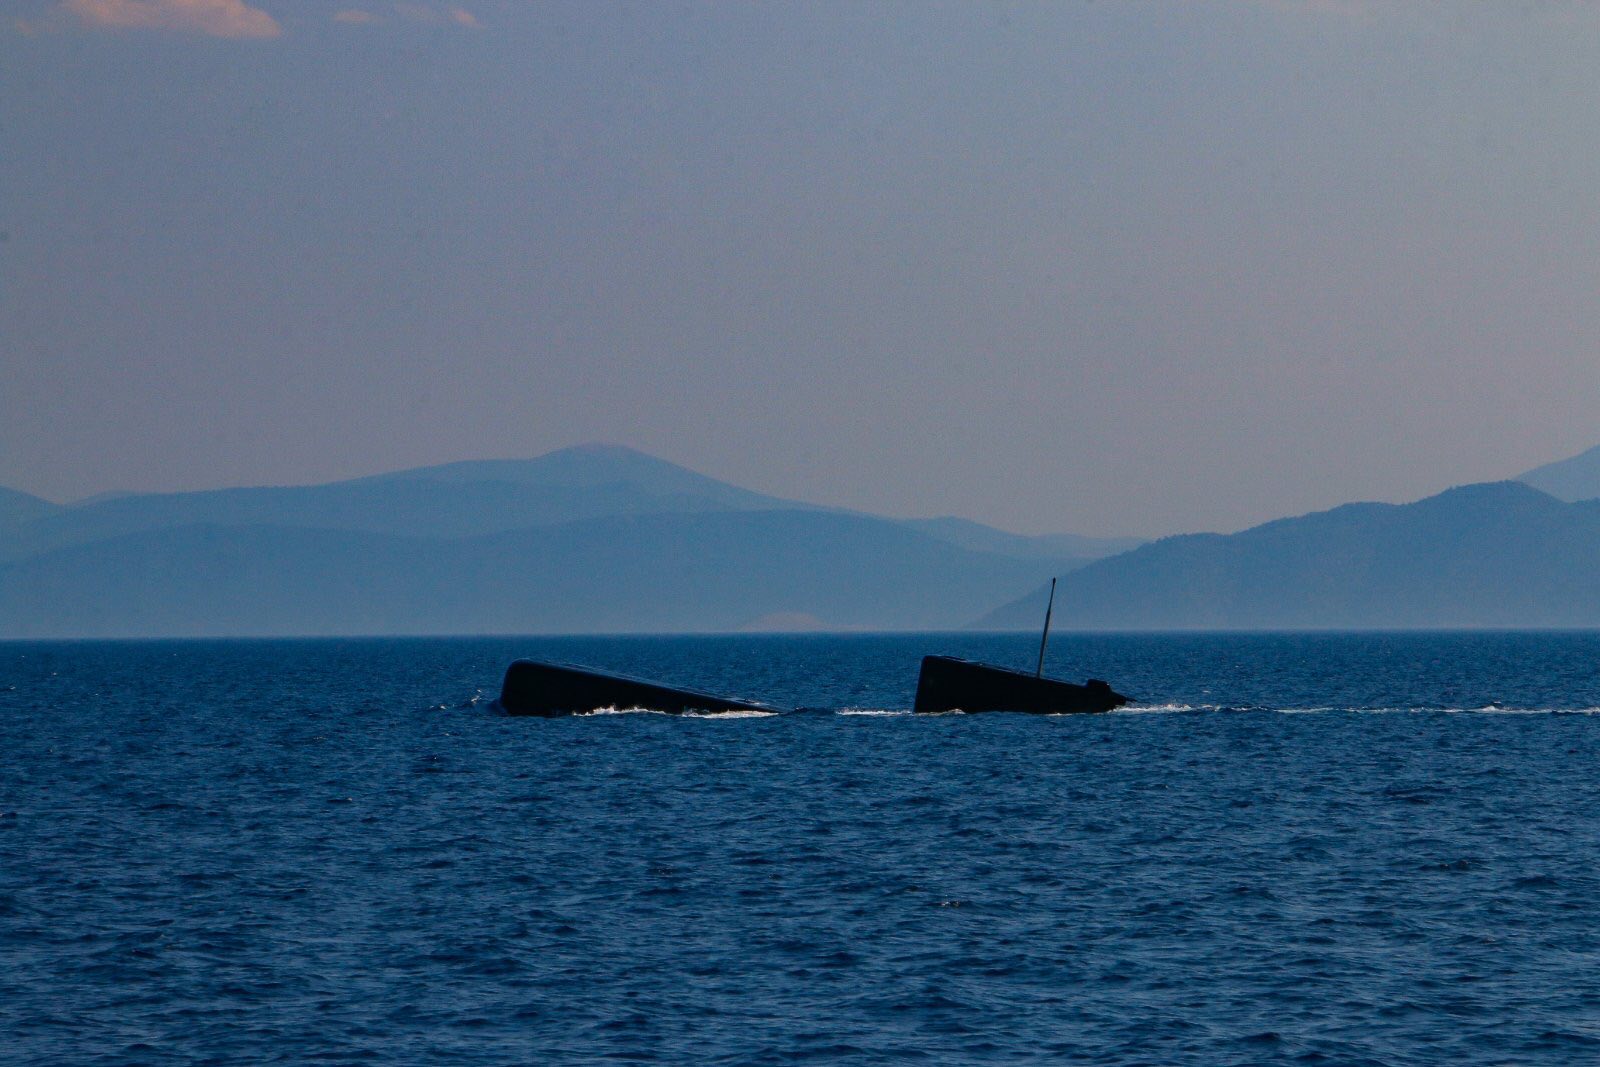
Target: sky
{"points": [[1107, 268]]}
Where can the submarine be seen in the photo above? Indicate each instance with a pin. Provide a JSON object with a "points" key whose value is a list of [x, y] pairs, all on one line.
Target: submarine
{"points": [[950, 684], [946, 683], [555, 689]]}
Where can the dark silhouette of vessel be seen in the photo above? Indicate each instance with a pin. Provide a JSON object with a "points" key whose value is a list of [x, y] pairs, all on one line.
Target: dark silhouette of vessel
{"points": [[950, 684], [944, 684], [554, 689]]}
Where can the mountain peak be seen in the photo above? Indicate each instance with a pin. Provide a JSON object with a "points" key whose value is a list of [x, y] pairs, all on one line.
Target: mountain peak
{"points": [[602, 453], [587, 466], [601, 448], [1497, 492], [1575, 478], [1487, 554]]}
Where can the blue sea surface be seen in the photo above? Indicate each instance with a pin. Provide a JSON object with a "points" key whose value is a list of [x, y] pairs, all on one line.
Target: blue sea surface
{"points": [[1336, 848]]}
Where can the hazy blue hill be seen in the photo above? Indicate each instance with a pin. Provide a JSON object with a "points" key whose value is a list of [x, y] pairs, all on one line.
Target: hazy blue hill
{"points": [[473, 498], [981, 538], [1577, 478], [1498, 554], [18, 507], [603, 539], [455, 500], [595, 466], [214, 580], [619, 573]]}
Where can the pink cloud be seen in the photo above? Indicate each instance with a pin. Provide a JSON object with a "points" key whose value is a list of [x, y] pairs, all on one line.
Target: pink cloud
{"points": [[215, 18], [465, 18]]}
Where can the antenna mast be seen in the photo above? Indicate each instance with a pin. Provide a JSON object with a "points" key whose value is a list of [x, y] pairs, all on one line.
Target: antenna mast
{"points": [[1039, 672]]}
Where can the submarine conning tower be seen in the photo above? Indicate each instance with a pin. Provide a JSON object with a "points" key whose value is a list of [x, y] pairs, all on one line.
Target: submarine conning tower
{"points": [[950, 684]]}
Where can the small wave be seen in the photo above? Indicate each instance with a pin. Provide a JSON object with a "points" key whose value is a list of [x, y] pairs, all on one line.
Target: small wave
{"points": [[1496, 709], [1488, 709], [1346, 709], [1337, 709], [751, 713], [874, 711], [1147, 709]]}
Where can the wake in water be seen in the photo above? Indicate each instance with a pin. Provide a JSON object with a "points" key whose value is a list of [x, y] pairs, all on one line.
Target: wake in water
{"points": [[1132, 709], [741, 714]]}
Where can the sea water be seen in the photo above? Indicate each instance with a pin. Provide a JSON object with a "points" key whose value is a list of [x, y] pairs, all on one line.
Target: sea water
{"points": [[1341, 849]]}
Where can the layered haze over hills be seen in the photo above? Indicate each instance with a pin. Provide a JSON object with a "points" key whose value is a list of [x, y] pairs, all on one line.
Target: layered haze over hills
{"points": [[595, 538], [1514, 554], [602, 538], [1501, 554], [454, 500]]}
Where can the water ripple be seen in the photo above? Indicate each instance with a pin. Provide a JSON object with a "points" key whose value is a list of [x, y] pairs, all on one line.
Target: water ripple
{"points": [[333, 852]]}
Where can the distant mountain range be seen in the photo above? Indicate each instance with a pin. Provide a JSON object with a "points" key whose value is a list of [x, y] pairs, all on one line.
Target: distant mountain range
{"points": [[455, 500], [1500, 554], [588, 539], [605, 539]]}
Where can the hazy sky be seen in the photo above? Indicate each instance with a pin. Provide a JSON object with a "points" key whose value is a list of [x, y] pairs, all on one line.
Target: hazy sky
{"points": [[1109, 267]]}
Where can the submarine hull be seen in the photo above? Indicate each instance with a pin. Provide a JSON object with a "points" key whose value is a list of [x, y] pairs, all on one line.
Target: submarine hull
{"points": [[555, 689], [950, 684]]}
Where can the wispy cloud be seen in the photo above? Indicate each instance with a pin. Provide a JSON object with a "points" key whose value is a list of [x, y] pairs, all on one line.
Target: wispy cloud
{"points": [[215, 18], [463, 17]]}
